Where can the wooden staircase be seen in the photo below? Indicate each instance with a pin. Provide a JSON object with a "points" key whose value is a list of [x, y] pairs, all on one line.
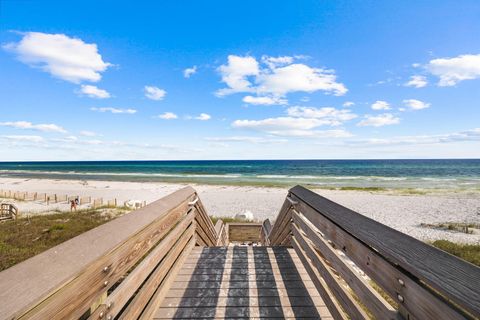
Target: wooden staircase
{"points": [[242, 282], [167, 260]]}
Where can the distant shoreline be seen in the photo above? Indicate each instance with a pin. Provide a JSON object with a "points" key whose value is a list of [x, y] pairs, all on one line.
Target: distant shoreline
{"points": [[407, 176]]}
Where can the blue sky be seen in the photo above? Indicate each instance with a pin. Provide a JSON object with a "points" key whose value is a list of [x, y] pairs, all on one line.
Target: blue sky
{"points": [[88, 80]]}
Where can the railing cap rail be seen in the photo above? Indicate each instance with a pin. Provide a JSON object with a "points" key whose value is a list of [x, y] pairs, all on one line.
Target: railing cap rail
{"points": [[452, 277], [28, 282]]}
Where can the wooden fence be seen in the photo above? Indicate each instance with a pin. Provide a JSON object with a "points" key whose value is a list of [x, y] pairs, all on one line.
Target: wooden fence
{"points": [[56, 198], [423, 282], [8, 212]]}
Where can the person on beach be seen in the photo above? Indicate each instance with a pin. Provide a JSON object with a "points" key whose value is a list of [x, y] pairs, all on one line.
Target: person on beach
{"points": [[73, 205], [77, 201]]}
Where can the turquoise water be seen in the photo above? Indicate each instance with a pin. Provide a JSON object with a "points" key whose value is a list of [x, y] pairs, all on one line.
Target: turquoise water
{"points": [[461, 174]]}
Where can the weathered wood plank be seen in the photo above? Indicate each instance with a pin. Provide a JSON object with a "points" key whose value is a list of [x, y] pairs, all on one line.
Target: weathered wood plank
{"points": [[447, 274], [320, 284], [244, 232], [369, 296], [342, 295], [160, 294], [135, 307], [120, 296], [49, 283], [417, 299]]}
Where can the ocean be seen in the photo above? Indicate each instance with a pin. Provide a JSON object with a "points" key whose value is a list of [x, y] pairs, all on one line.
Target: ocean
{"points": [[456, 174]]}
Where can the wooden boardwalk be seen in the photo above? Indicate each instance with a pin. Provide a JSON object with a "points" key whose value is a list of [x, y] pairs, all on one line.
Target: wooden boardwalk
{"points": [[244, 283]]}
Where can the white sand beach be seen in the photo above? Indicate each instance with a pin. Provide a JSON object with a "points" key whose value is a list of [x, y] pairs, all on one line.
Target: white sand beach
{"points": [[402, 212]]}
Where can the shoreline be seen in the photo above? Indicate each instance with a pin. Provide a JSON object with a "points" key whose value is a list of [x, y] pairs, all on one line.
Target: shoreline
{"points": [[403, 212]]}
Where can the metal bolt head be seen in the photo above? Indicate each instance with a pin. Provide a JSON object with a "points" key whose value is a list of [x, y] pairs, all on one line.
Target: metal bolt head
{"points": [[400, 298], [109, 305], [109, 317], [105, 283], [100, 315], [402, 283], [105, 269]]}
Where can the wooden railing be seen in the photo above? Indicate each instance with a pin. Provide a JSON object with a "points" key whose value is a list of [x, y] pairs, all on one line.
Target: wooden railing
{"points": [[8, 211], [119, 270], [222, 233], [357, 264]]}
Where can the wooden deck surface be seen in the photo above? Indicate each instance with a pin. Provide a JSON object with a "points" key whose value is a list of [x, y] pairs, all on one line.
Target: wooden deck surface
{"points": [[242, 283]]}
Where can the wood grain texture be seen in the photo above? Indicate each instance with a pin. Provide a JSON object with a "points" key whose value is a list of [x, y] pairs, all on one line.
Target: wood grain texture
{"points": [[417, 299], [46, 285], [369, 296], [451, 276], [342, 295]]}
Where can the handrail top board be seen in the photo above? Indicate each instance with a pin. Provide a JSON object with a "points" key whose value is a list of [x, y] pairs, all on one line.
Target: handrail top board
{"points": [[54, 267], [453, 277]]}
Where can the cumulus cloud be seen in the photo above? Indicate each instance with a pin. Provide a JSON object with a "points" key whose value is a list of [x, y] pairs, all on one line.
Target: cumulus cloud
{"points": [[28, 125], [235, 74], [94, 92], [415, 104], [301, 122], [167, 116], [267, 101], [381, 105], [188, 72], [275, 77], [114, 110], [154, 93], [417, 82], [203, 117], [379, 121], [453, 70], [66, 58], [348, 104]]}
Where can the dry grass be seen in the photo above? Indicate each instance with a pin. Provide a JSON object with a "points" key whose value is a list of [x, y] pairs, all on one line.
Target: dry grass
{"points": [[467, 252], [25, 237]]}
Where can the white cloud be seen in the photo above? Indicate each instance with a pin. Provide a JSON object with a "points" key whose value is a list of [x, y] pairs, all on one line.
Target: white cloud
{"points": [[273, 62], [379, 121], [114, 110], [63, 57], [331, 116], [301, 122], [278, 77], [267, 101], [453, 70], [187, 73], [417, 82], [154, 93], [167, 116], [235, 74], [203, 117], [28, 125], [380, 105], [94, 92], [415, 104], [349, 104], [86, 133], [25, 138], [299, 77], [246, 139]]}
